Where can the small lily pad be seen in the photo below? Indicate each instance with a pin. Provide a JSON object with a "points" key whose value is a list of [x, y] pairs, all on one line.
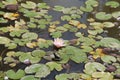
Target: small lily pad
{"points": [[111, 43], [29, 5], [92, 67], [116, 14], [4, 40], [113, 4], [40, 70], [29, 77], [15, 75], [103, 16], [54, 65], [30, 36], [108, 59]]}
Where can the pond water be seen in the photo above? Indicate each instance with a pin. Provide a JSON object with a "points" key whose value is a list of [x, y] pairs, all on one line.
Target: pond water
{"points": [[71, 65]]}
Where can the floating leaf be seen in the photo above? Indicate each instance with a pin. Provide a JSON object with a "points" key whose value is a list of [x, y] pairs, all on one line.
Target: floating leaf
{"points": [[116, 14], [92, 67], [88, 8], [103, 16], [72, 53], [29, 77], [30, 36], [28, 55], [108, 59], [38, 53], [11, 45], [93, 3], [111, 43], [40, 70], [108, 24], [54, 65], [6, 2], [2, 20], [66, 17], [43, 5], [56, 34], [4, 40], [103, 75], [74, 76], [15, 75], [58, 8], [113, 4], [29, 5]]}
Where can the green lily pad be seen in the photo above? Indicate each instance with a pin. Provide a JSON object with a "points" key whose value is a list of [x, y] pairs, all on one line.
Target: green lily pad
{"points": [[15, 75], [29, 5], [28, 56], [2, 20], [56, 34], [113, 4], [103, 75], [108, 59], [29, 77], [108, 24], [11, 45], [111, 43], [92, 67], [72, 53], [116, 14], [4, 40], [54, 65], [93, 3], [103, 16], [43, 5], [6, 2], [30, 36], [58, 8], [38, 53], [65, 76], [40, 70]]}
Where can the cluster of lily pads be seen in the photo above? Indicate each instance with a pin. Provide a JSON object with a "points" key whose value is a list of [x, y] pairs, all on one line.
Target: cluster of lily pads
{"points": [[23, 22]]}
